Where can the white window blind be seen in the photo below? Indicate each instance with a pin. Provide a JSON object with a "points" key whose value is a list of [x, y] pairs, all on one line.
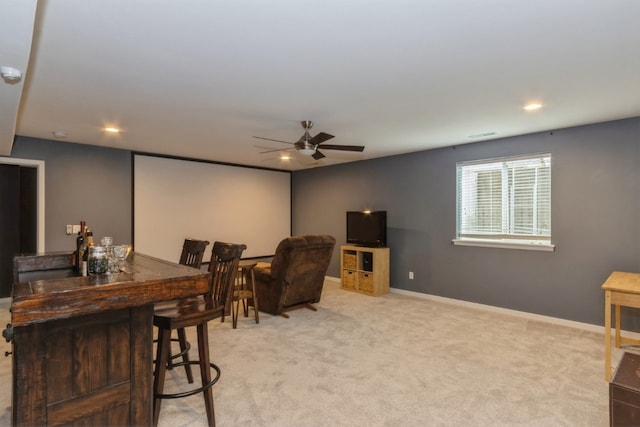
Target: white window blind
{"points": [[506, 200]]}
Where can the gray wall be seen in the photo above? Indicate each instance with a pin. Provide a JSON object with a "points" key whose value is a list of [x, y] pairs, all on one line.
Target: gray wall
{"points": [[595, 219], [82, 182]]}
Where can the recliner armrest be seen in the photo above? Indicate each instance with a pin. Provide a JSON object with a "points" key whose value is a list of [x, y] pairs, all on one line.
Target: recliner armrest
{"points": [[262, 271]]}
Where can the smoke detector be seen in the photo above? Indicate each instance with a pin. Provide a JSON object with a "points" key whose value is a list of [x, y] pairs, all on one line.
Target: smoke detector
{"points": [[10, 75]]}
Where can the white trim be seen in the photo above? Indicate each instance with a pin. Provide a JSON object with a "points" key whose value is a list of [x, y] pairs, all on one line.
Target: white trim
{"points": [[529, 245], [500, 310], [39, 165], [522, 314], [516, 313]]}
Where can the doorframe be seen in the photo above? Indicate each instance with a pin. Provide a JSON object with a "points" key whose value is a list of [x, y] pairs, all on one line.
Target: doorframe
{"points": [[39, 165]]}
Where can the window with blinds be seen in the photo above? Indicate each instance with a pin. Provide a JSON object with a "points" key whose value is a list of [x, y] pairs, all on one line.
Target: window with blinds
{"points": [[505, 202]]}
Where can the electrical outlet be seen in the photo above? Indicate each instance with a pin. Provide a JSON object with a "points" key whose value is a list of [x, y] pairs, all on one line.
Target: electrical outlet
{"points": [[75, 228], [69, 229], [411, 275]]}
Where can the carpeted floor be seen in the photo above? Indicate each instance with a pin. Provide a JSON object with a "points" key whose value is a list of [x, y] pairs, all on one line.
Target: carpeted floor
{"points": [[393, 360]]}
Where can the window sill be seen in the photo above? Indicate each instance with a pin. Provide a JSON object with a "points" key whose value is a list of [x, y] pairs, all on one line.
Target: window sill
{"points": [[529, 245]]}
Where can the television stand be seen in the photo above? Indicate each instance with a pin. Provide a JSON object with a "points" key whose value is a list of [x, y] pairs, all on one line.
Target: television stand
{"points": [[365, 269]]}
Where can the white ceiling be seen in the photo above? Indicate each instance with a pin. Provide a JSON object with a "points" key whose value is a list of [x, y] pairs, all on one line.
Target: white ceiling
{"points": [[199, 78]]}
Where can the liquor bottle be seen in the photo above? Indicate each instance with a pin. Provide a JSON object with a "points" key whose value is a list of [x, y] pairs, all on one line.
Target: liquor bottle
{"points": [[85, 253], [90, 241], [79, 242]]}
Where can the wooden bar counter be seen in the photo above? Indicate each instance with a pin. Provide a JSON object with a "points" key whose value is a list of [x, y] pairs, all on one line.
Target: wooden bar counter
{"points": [[82, 346]]}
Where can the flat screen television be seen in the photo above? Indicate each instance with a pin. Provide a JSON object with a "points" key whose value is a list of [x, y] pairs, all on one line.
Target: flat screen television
{"points": [[368, 228]]}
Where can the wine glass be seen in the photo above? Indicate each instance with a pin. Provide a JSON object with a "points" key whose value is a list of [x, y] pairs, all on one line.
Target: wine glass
{"points": [[118, 255]]}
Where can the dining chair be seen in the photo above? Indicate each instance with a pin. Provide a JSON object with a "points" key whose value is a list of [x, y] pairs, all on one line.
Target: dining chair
{"points": [[196, 312], [193, 252]]}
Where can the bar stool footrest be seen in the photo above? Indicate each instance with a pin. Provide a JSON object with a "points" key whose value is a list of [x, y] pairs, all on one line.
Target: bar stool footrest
{"points": [[171, 365], [196, 390]]}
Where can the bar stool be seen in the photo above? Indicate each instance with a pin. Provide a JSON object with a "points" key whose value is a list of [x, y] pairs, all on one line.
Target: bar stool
{"points": [[245, 292], [196, 312], [191, 256]]}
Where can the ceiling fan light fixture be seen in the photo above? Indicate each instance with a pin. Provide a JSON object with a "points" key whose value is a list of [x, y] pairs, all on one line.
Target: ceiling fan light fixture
{"points": [[305, 147]]}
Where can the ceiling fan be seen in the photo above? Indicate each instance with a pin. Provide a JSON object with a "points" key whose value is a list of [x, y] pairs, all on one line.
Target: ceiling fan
{"points": [[309, 145]]}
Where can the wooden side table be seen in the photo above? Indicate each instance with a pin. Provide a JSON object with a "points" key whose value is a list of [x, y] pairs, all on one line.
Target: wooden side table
{"points": [[620, 289], [245, 292]]}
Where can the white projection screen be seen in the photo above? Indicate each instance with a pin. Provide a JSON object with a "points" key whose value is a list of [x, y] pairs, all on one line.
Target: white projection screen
{"points": [[174, 199]]}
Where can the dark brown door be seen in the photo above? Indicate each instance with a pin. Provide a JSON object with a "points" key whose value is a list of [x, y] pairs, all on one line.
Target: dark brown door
{"points": [[18, 218]]}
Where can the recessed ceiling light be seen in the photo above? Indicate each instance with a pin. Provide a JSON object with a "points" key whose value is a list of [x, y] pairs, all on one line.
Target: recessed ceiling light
{"points": [[112, 130], [285, 157], [532, 106], [59, 134]]}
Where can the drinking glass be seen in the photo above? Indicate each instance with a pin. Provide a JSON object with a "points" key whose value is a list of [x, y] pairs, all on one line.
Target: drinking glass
{"points": [[118, 255]]}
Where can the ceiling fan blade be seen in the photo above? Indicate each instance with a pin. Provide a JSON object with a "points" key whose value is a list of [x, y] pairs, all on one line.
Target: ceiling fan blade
{"points": [[318, 155], [273, 151], [320, 138], [275, 140], [343, 147]]}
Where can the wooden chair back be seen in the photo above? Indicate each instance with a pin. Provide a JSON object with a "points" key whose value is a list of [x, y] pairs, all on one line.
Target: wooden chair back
{"points": [[193, 252], [223, 267]]}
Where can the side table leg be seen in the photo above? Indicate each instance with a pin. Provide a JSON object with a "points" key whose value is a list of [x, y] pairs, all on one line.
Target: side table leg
{"points": [[618, 321], [254, 297], [607, 335]]}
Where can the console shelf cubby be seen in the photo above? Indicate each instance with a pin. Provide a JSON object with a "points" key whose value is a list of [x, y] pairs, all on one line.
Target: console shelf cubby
{"points": [[364, 269]]}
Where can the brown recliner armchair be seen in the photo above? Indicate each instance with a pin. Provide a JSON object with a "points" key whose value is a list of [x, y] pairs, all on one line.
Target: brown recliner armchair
{"points": [[295, 277]]}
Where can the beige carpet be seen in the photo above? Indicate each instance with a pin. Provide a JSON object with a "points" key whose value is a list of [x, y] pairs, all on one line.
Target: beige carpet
{"points": [[392, 361]]}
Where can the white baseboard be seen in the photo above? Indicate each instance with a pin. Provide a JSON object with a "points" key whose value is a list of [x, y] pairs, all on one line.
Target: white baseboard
{"points": [[522, 314]]}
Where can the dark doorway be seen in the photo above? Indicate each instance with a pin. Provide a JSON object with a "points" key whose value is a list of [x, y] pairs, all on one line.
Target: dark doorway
{"points": [[18, 218]]}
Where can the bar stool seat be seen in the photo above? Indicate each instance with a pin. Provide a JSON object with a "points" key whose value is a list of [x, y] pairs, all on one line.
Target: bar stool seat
{"points": [[245, 292]]}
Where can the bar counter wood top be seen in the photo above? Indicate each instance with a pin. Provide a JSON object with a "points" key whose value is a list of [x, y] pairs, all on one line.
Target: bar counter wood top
{"points": [[83, 346], [61, 294]]}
